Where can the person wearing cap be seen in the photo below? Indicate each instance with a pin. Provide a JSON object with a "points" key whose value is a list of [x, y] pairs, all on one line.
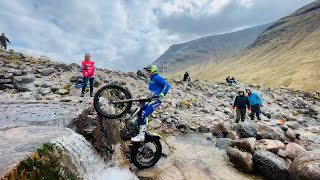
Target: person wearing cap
{"points": [[255, 102], [158, 88], [240, 104]]}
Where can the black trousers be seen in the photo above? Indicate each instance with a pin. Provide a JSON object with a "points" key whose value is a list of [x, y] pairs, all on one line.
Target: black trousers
{"points": [[241, 113], [85, 83], [255, 110]]}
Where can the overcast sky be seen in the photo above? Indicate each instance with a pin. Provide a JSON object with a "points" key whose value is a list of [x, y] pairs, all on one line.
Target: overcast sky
{"points": [[127, 34]]}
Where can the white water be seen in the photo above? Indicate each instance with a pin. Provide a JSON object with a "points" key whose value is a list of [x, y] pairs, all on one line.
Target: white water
{"points": [[87, 161]]}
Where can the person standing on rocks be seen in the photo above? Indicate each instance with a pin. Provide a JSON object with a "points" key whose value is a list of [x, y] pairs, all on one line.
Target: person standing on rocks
{"points": [[241, 103], [3, 41], [186, 77], [255, 102], [158, 89], [88, 74]]}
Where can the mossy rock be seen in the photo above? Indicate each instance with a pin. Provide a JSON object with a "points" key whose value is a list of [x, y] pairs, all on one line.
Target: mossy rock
{"points": [[96, 84], [45, 163], [67, 87]]}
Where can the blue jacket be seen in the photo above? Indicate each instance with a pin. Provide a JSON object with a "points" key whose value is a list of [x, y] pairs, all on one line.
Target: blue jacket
{"points": [[254, 99], [158, 85]]}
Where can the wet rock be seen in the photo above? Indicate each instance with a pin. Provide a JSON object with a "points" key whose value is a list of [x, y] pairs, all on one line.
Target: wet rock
{"points": [[46, 71], [223, 143], [44, 91], [270, 145], [270, 165], [149, 174], [246, 129], [154, 124], [293, 150], [306, 166], [242, 160], [290, 134], [245, 144]]}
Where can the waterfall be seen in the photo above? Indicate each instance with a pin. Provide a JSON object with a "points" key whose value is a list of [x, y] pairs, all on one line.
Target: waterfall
{"points": [[88, 163]]}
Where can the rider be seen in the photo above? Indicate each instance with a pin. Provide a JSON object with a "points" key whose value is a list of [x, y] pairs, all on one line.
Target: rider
{"points": [[158, 89]]}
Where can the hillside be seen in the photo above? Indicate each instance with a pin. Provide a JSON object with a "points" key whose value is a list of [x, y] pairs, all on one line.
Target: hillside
{"points": [[215, 49], [286, 54]]}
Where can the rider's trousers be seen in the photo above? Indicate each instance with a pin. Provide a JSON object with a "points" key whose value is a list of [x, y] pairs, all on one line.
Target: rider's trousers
{"points": [[148, 110]]}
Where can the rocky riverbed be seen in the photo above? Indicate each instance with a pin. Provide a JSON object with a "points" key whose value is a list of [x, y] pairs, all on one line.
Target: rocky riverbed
{"points": [[39, 92]]}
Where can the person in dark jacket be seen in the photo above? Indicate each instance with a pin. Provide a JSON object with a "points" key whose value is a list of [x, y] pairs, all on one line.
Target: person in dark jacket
{"points": [[186, 77], [3, 41], [241, 103], [255, 102]]}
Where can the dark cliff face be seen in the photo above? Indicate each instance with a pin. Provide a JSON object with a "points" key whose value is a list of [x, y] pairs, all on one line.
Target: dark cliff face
{"points": [[215, 49]]}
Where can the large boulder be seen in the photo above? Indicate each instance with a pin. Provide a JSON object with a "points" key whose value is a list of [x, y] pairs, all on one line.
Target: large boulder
{"points": [[75, 78], [242, 160], [29, 78], [63, 66], [290, 134], [293, 150], [270, 165], [46, 71], [246, 144], [246, 130], [219, 128], [306, 166], [269, 132], [270, 145]]}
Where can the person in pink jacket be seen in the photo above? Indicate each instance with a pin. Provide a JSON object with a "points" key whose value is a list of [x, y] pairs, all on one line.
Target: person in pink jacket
{"points": [[88, 74]]}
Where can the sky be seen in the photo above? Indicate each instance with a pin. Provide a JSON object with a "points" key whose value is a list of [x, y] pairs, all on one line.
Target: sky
{"points": [[127, 35]]}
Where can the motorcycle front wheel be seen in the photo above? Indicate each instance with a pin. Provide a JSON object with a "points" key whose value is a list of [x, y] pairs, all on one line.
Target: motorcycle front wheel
{"points": [[146, 154]]}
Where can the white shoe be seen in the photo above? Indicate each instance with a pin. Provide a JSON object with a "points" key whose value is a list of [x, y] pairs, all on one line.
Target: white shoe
{"points": [[141, 135]]}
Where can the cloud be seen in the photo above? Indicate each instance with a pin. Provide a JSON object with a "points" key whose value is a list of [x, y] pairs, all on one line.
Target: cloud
{"points": [[126, 34]]}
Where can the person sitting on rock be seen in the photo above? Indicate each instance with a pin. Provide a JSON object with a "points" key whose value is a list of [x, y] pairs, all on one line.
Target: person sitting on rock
{"points": [[158, 89], [3, 41], [88, 74], [255, 102], [241, 103], [186, 77], [228, 79]]}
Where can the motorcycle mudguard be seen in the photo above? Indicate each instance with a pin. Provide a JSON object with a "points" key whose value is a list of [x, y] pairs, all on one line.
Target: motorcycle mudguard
{"points": [[150, 135]]}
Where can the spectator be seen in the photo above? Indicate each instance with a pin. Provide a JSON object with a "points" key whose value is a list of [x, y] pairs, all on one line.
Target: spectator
{"points": [[88, 74], [3, 41], [255, 102], [186, 77], [241, 103]]}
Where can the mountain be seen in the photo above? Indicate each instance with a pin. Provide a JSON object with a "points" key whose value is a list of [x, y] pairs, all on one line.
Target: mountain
{"points": [[286, 54], [215, 48]]}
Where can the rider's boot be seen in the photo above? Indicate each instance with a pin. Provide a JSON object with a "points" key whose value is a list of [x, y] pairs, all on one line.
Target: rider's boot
{"points": [[141, 135]]}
